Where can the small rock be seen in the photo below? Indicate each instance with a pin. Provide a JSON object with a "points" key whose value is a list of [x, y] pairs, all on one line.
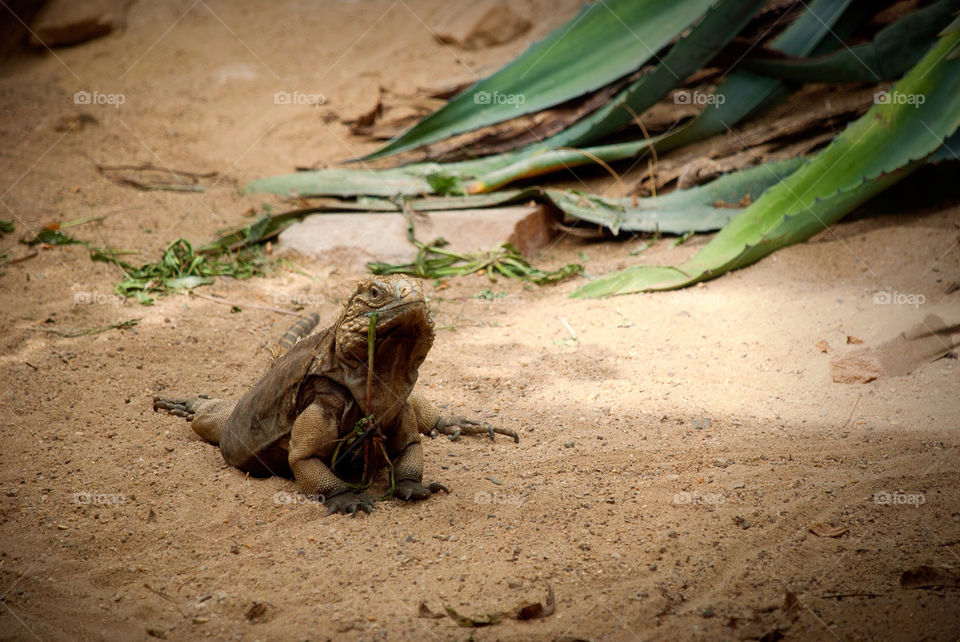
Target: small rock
{"points": [[739, 484], [482, 23], [70, 22], [708, 612], [345, 238], [257, 612], [859, 366], [702, 422], [74, 122], [569, 444]]}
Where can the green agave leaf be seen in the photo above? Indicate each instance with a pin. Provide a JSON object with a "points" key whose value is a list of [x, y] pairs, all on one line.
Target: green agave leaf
{"points": [[887, 143], [680, 211], [744, 93], [566, 64], [737, 97], [893, 51], [344, 182], [694, 49]]}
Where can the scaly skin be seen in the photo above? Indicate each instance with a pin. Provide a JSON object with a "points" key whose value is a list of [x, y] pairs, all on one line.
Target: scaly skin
{"points": [[314, 394]]}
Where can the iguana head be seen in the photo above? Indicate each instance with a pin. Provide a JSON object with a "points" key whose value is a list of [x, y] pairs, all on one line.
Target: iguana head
{"points": [[403, 322]]}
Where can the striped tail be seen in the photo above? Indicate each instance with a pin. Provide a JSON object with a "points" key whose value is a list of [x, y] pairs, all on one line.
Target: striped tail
{"points": [[297, 331]]}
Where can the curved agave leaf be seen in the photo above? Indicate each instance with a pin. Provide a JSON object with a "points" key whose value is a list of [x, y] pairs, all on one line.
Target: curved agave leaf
{"points": [[887, 143], [680, 211], [336, 181], [742, 94], [566, 64], [745, 93], [694, 49], [893, 51]]}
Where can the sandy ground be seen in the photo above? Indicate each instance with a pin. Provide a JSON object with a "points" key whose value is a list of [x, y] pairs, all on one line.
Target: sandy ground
{"points": [[675, 447]]}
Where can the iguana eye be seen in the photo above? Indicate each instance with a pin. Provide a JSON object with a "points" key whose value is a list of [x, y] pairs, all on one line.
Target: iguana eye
{"points": [[374, 292]]}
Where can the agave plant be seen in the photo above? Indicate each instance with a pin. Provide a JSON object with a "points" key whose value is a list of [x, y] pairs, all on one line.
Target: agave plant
{"points": [[638, 52]]}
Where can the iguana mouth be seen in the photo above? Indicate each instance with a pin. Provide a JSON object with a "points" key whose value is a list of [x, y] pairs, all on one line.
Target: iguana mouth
{"points": [[395, 310]]}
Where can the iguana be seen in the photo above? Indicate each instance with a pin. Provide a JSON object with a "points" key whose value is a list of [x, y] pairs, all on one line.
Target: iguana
{"points": [[308, 416]]}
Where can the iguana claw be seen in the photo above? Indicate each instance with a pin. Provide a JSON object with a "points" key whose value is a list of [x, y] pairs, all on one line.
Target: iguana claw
{"points": [[411, 491], [350, 503], [453, 427], [185, 408]]}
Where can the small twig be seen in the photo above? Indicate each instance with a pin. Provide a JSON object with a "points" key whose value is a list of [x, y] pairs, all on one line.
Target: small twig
{"points": [[256, 306], [166, 597], [568, 327], [23, 258], [371, 340], [840, 596], [73, 334], [81, 221], [652, 166], [191, 185], [847, 422]]}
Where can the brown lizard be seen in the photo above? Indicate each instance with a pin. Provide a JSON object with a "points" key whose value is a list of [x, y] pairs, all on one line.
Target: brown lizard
{"points": [[308, 415]]}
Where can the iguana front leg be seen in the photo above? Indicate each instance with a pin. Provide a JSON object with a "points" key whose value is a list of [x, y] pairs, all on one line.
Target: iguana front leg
{"points": [[409, 473], [431, 423], [207, 416], [313, 436]]}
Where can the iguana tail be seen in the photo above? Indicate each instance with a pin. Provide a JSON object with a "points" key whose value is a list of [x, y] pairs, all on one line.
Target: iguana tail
{"points": [[297, 331]]}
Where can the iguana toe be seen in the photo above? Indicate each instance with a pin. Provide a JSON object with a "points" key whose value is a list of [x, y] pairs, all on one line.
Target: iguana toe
{"points": [[350, 503], [185, 408], [178, 407], [411, 491], [453, 427]]}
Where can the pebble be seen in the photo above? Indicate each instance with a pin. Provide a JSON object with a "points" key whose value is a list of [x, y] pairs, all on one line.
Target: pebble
{"points": [[702, 422]]}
